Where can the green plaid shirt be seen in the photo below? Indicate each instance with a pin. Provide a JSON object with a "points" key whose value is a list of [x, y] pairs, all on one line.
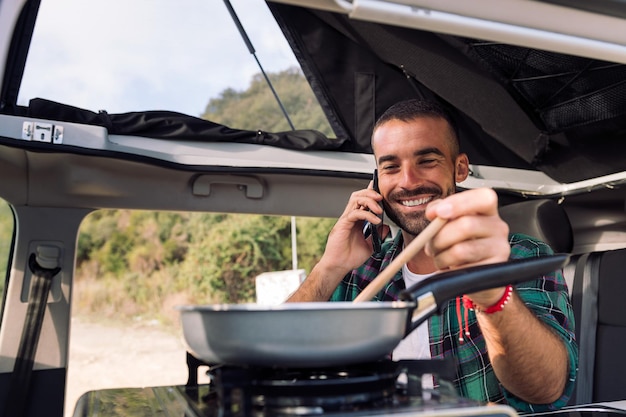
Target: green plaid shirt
{"points": [[546, 296]]}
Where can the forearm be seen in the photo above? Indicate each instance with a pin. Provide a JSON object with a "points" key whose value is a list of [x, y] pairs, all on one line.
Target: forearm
{"points": [[319, 284], [528, 358]]}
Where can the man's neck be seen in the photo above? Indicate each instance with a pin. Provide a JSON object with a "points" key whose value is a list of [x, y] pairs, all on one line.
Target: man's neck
{"points": [[421, 263]]}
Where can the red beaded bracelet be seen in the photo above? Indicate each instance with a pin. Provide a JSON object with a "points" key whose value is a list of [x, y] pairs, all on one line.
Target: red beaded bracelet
{"points": [[498, 306]]}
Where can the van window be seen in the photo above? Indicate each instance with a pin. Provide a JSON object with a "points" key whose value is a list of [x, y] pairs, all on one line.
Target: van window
{"points": [[122, 56], [7, 225], [151, 256], [134, 267]]}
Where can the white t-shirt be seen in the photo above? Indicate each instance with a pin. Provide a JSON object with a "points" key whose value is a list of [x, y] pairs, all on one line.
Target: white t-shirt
{"points": [[416, 344]]}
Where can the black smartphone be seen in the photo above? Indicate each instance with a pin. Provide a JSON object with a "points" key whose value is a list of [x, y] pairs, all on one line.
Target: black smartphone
{"points": [[371, 229]]}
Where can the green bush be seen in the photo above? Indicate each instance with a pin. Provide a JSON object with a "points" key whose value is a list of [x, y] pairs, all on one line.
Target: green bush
{"points": [[223, 264], [7, 224], [152, 257]]}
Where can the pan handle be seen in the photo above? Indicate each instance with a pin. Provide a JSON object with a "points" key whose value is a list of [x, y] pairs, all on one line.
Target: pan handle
{"points": [[431, 293]]}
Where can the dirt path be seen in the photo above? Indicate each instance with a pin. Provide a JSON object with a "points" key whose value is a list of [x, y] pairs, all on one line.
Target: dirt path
{"points": [[114, 356]]}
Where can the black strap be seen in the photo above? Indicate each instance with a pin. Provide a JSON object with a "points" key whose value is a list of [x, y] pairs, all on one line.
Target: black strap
{"points": [[585, 302], [24, 362]]}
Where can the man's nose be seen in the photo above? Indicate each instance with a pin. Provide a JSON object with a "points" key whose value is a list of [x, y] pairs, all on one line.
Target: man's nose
{"points": [[410, 177]]}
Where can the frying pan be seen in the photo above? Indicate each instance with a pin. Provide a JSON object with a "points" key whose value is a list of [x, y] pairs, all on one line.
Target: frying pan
{"points": [[318, 334]]}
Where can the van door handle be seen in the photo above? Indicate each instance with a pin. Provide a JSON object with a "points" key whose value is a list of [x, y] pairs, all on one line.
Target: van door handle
{"points": [[253, 186]]}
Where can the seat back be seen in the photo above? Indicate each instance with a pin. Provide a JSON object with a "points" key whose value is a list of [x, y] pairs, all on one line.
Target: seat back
{"points": [[543, 219]]}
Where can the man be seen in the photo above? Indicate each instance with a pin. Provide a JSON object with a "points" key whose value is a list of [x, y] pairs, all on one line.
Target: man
{"points": [[512, 346]]}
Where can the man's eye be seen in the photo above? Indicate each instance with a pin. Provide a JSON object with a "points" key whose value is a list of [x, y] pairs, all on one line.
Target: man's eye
{"points": [[428, 161]]}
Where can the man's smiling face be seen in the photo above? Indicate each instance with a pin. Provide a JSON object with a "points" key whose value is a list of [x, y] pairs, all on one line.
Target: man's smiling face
{"points": [[417, 163]]}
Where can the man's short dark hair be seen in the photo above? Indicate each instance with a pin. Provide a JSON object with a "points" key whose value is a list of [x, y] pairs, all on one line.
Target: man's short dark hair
{"points": [[408, 110]]}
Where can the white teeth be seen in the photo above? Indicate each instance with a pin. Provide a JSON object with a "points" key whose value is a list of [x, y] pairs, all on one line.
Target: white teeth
{"points": [[412, 203]]}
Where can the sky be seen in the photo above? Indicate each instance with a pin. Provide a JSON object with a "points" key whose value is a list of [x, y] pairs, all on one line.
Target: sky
{"points": [[133, 55]]}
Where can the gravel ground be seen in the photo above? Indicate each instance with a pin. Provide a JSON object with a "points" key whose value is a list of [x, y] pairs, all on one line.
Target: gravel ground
{"points": [[115, 356]]}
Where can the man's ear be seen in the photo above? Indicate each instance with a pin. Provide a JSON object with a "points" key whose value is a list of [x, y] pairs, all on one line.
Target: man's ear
{"points": [[462, 167]]}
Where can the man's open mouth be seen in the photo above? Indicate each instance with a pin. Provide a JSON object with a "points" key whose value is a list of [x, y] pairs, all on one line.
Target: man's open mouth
{"points": [[417, 202]]}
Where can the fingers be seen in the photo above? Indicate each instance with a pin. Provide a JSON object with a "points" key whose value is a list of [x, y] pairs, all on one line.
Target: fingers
{"points": [[364, 205], [474, 233], [470, 241], [347, 247], [483, 201]]}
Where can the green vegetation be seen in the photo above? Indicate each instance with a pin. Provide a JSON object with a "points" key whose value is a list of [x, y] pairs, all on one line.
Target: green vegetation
{"points": [[257, 109], [6, 237], [141, 263]]}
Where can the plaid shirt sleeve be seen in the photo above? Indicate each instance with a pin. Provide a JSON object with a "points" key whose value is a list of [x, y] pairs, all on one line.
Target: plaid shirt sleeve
{"points": [[547, 297]]}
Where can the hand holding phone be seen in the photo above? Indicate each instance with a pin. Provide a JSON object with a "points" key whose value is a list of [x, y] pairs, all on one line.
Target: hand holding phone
{"points": [[372, 229]]}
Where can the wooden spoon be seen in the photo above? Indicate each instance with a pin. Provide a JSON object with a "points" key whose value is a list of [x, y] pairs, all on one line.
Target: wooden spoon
{"points": [[405, 256]]}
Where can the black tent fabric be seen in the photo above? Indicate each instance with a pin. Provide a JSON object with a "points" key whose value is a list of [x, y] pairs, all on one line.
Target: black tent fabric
{"points": [[177, 126], [516, 107]]}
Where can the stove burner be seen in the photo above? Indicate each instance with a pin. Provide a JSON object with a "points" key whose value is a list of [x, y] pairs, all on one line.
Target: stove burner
{"points": [[304, 391], [331, 388], [357, 390]]}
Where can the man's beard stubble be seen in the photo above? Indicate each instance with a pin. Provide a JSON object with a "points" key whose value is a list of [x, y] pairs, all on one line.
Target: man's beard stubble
{"points": [[415, 223]]}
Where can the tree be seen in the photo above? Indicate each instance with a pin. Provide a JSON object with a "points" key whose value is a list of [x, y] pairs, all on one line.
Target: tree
{"points": [[257, 109]]}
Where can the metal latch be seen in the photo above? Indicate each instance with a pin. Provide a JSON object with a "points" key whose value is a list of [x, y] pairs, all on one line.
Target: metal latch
{"points": [[42, 132]]}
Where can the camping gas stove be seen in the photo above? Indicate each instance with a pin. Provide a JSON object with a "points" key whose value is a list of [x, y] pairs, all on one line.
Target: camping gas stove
{"points": [[380, 388]]}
